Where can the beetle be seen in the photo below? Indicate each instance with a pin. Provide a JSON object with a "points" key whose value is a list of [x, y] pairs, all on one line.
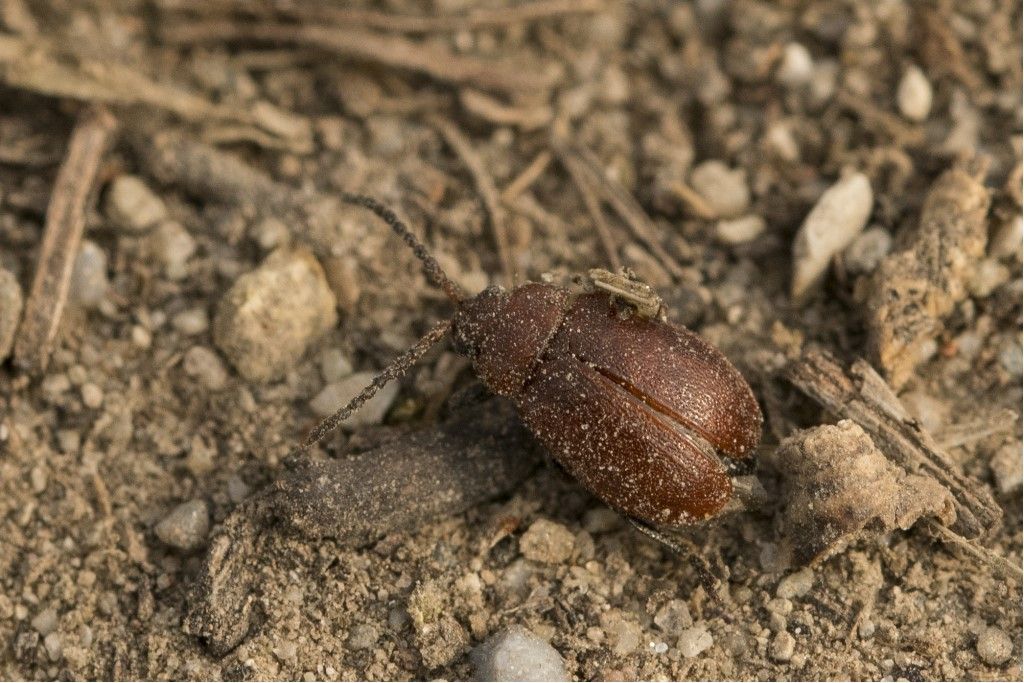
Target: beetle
{"points": [[637, 409]]}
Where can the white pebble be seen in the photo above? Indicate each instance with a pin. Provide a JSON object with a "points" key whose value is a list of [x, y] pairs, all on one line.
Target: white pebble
{"points": [[516, 654], [838, 217], [186, 526], [54, 647], [190, 322], [38, 479], [796, 67], [92, 395], [994, 646], [988, 275], [694, 640], [270, 233], [334, 365], [914, 94], [89, 284], [132, 206], [739, 230], [337, 394], [723, 188]]}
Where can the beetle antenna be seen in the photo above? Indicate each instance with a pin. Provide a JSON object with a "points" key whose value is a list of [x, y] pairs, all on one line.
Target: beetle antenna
{"points": [[433, 269], [396, 369]]}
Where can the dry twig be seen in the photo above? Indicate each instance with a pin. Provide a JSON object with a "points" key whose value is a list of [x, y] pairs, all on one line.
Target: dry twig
{"points": [[65, 221]]}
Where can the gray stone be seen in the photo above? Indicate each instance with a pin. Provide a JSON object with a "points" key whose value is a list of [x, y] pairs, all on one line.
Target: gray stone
{"points": [[173, 246], [867, 250], [132, 206], [337, 394], [516, 654], [11, 303], [363, 637], [186, 526], [334, 365], [269, 317], [673, 617]]}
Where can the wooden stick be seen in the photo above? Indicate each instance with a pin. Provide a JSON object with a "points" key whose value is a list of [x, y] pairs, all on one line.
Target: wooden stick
{"points": [[593, 205], [435, 61], [65, 222], [487, 189], [528, 177]]}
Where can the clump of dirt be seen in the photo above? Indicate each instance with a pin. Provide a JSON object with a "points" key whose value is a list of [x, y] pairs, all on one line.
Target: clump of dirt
{"points": [[159, 159]]}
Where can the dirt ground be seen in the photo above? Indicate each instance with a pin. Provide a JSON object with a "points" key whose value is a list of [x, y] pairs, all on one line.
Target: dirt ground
{"points": [[704, 133]]}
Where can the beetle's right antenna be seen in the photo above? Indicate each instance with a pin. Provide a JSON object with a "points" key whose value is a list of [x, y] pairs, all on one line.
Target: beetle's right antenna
{"points": [[433, 269], [396, 369]]}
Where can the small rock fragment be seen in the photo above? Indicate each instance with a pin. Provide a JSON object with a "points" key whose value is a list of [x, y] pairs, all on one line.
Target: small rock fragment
{"points": [[205, 365], [10, 311], [334, 365], [334, 396], [546, 541], [838, 217], [132, 206], [45, 622], [796, 66], [1006, 467], [516, 654], [440, 639], [914, 94], [173, 246], [623, 635], [89, 283], [994, 646], [739, 230], [911, 291], [54, 646], [186, 526], [782, 647], [363, 637], [867, 250], [694, 640], [92, 395], [724, 189], [988, 275], [795, 585], [191, 322], [269, 317], [601, 520], [837, 482], [673, 617]]}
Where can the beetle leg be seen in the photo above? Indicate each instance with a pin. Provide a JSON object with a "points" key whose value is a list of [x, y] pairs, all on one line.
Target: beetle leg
{"points": [[685, 548]]}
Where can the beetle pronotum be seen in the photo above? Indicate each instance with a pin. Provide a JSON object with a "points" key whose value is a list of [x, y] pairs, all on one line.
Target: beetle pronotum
{"points": [[637, 409]]}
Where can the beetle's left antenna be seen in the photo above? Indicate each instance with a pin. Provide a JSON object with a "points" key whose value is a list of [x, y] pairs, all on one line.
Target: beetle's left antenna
{"points": [[435, 273], [396, 369]]}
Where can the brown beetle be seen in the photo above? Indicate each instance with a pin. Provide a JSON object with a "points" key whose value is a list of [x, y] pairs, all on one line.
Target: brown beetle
{"points": [[636, 408]]}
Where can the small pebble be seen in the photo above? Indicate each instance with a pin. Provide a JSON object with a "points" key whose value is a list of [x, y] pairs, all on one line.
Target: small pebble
{"points": [[337, 394], [601, 520], [186, 526], [132, 206], [191, 322], [838, 217], [694, 640], [10, 311], [45, 622], [1007, 239], [795, 585], [931, 412], [866, 629], [796, 67], [54, 648], [334, 365], [270, 316], [204, 364], [673, 617], [89, 283], [141, 337], [92, 395], [914, 94], [739, 230], [623, 635], [516, 654], [724, 189], [782, 647], [1010, 358], [994, 646], [38, 479], [270, 233], [988, 275], [238, 490], [1006, 467], [867, 250], [546, 541], [363, 637], [173, 246]]}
